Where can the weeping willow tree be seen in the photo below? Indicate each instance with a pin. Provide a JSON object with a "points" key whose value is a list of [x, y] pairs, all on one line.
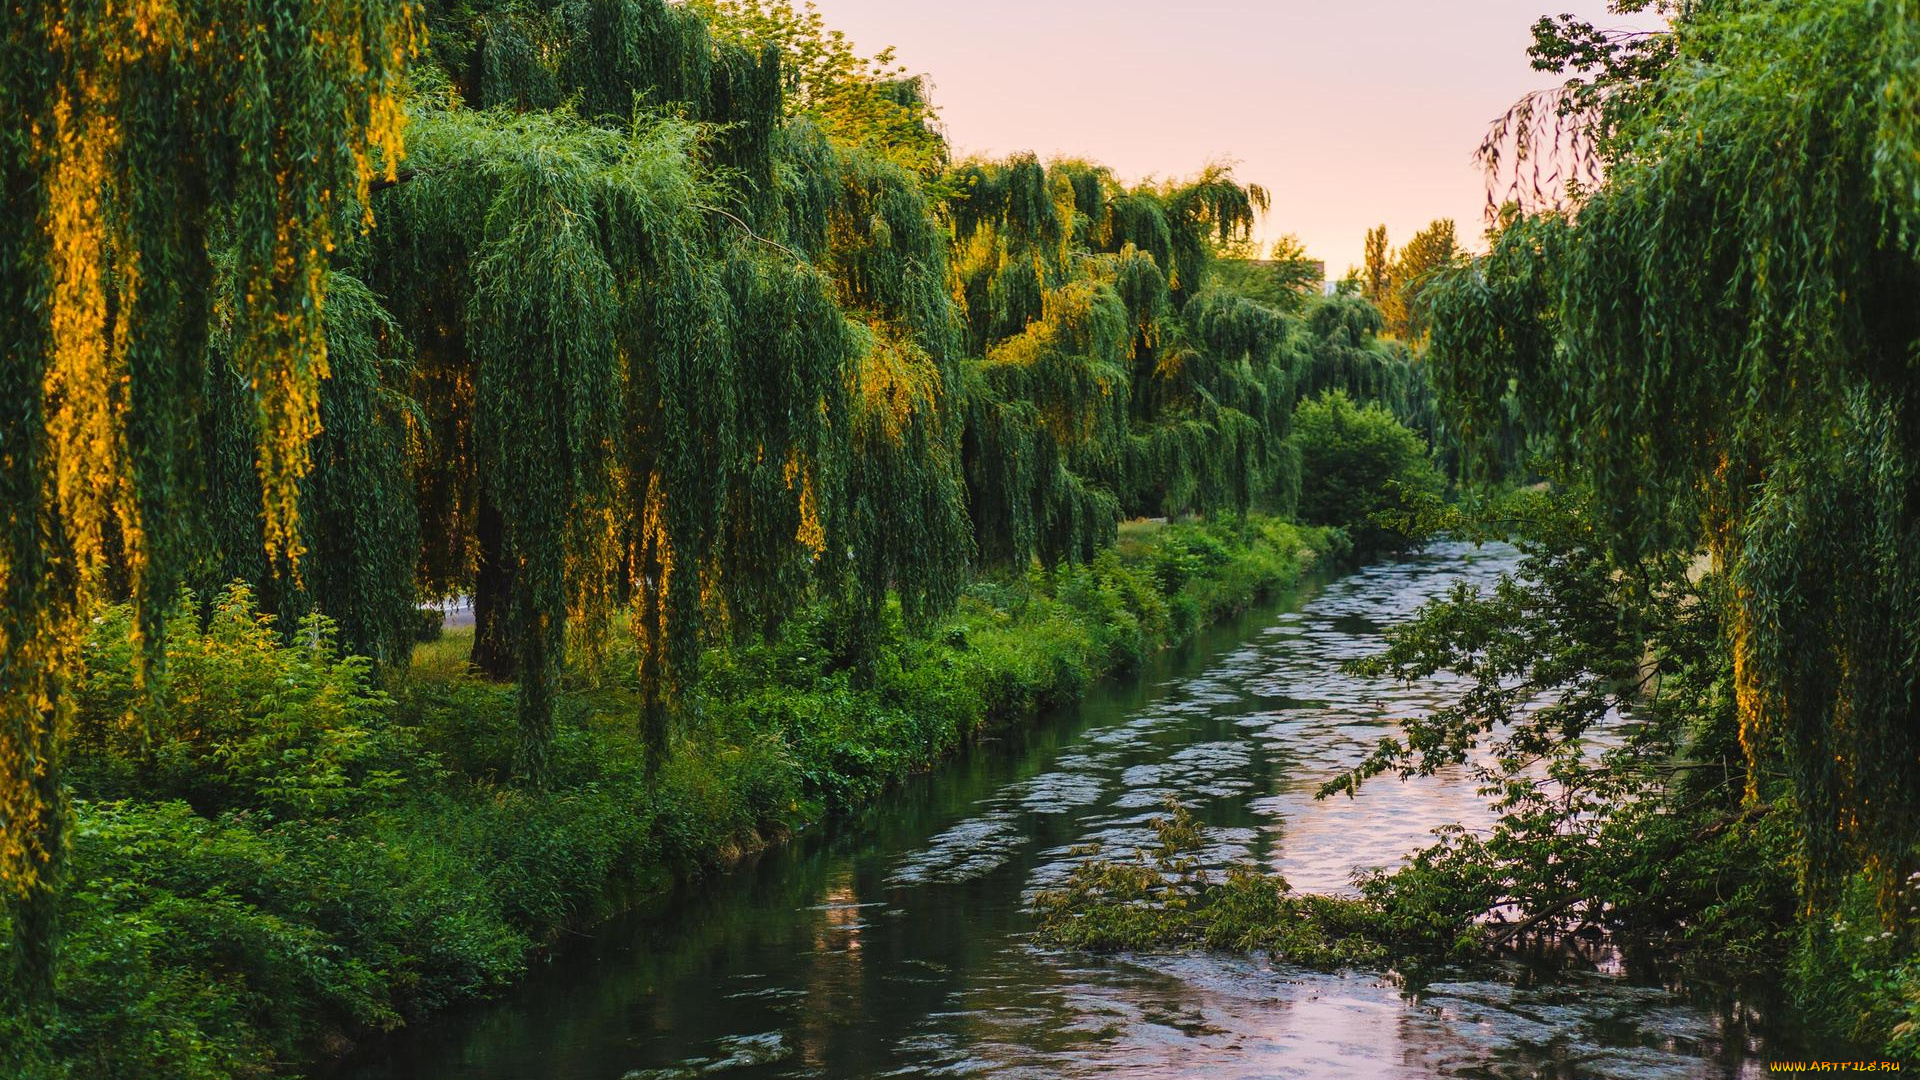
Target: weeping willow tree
{"points": [[1102, 386], [902, 520], [461, 280], [148, 150], [1339, 347], [1725, 334], [358, 522], [607, 56], [694, 366], [1046, 387], [635, 405], [867, 103], [1221, 405]]}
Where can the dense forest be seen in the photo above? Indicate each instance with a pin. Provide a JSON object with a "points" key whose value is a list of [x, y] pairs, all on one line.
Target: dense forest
{"points": [[778, 453]]}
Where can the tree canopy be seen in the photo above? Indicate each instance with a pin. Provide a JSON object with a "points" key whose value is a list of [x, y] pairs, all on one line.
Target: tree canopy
{"points": [[149, 153], [672, 312], [1722, 332]]}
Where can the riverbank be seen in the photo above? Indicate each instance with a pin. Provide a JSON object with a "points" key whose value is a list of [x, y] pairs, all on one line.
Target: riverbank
{"points": [[902, 942], [293, 855]]}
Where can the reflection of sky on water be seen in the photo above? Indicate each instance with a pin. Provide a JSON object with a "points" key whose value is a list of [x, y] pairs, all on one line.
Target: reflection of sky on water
{"points": [[1293, 720], [1289, 705], [899, 948]]}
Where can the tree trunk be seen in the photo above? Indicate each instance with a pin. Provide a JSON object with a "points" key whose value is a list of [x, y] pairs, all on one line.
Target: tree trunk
{"points": [[34, 910], [494, 652]]}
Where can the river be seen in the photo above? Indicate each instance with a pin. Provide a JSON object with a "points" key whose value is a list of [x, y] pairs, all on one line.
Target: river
{"points": [[897, 944]]}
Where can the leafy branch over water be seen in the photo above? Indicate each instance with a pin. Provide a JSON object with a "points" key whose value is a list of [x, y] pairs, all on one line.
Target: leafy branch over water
{"points": [[1596, 717]]}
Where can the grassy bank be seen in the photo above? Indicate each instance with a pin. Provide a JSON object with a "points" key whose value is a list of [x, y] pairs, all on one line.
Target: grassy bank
{"points": [[286, 850]]}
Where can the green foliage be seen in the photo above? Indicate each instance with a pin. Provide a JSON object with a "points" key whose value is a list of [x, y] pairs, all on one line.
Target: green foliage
{"points": [[148, 155], [1010, 648], [611, 57], [1164, 899], [1394, 281], [1720, 346], [239, 719], [866, 103], [621, 382], [1337, 346], [358, 519], [1356, 463], [206, 947], [1855, 977], [1376, 278], [1432, 249], [704, 411], [671, 310], [1114, 382], [1597, 714], [291, 856], [1286, 279]]}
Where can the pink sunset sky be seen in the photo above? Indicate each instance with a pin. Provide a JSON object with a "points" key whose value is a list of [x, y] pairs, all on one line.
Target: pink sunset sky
{"points": [[1351, 112]]}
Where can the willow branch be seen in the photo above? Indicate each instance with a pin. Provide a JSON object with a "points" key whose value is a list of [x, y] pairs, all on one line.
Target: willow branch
{"points": [[748, 229]]}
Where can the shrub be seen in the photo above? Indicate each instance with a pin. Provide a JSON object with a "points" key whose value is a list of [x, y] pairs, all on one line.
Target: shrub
{"points": [[241, 717], [1355, 462], [213, 947]]}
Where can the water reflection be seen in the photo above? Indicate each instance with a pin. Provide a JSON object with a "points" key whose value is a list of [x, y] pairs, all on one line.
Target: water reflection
{"points": [[897, 946]]}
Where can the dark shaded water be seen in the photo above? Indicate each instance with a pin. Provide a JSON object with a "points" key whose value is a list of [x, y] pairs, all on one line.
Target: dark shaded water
{"points": [[898, 945]]}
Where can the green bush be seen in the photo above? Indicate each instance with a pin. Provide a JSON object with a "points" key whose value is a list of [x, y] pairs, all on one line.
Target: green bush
{"points": [[1851, 975], [239, 717], [1357, 461], [210, 947]]}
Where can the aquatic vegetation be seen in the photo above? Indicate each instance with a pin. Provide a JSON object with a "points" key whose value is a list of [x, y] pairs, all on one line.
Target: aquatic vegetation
{"points": [[1164, 899]]}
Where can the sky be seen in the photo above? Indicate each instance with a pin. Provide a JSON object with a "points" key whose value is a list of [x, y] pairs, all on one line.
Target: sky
{"points": [[1352, 113]]}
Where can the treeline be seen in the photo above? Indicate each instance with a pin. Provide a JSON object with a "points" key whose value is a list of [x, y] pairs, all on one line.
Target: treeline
{"points": [[626, 337], [1717, 340], [588, 311]]}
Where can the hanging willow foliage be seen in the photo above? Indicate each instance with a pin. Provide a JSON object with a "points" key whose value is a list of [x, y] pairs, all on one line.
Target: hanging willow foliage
{"points": [[1050, 388], [1220, 401], [633, 333], [902, 519], [1726, 332], [713, 435], [358, 521], [609, 56], [696, 368], [1340, 349], [1103, 388], [624, 379], [141, 141]]}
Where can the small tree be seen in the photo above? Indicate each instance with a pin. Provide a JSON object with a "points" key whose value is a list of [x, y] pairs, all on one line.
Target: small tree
{"points": [[1356, 461]]}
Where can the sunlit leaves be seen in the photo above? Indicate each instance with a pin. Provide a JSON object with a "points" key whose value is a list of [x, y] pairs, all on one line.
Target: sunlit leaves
{"points": [[146, 144]]}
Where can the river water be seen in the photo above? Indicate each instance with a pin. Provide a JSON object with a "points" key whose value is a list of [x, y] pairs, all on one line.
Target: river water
{"points": [[898, 944]]}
